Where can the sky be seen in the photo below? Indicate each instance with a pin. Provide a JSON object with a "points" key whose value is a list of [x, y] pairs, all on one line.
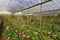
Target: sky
{"points": [[47, 6]]}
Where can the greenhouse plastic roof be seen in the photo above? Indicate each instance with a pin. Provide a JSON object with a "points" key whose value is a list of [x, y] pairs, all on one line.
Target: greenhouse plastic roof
{"points": [[14, 6]]}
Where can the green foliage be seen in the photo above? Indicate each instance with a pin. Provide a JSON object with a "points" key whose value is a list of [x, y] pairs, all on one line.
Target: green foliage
{"points": [[38, 29]]}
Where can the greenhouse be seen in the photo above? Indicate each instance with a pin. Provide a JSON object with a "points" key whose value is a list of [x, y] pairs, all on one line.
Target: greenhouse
{"points": [[29, 19]]}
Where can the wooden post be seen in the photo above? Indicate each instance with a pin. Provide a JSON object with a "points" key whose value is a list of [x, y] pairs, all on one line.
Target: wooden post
{"points": [[1, 28]]}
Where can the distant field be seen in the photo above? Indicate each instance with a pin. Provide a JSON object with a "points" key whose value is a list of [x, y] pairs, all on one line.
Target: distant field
{"points": [[29, 27]]}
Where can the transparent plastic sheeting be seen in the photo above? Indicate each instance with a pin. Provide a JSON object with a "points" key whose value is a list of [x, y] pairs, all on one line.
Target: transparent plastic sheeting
{"points": [[52, 5], [17, 5]]}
